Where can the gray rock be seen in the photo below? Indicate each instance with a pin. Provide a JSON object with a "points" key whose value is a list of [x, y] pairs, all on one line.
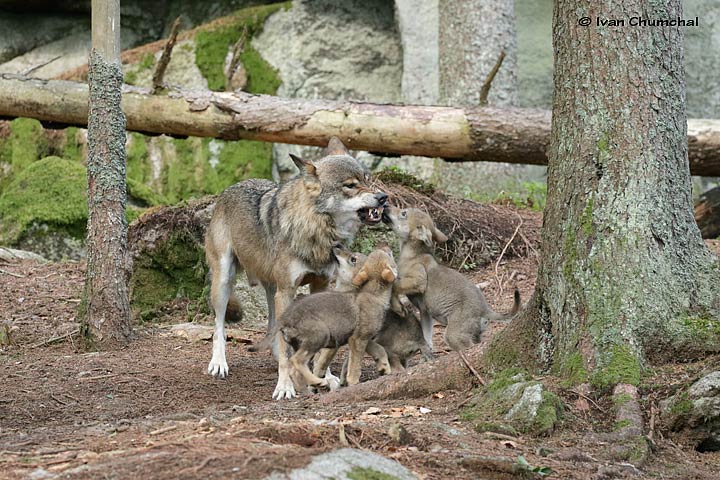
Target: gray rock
{"points": [[340, 464], [697, 412], [10, 255], [332, 50], [418, 25], [526, 408]]}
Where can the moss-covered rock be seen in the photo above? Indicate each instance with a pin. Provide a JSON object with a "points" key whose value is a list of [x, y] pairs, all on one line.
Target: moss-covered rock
{"points": [[24, 144], [212, 46], [168, 259], [44, 209], [513, 402]]}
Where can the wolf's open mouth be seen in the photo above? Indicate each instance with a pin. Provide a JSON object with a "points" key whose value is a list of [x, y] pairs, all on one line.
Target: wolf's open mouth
{"points": [[371, 216]]}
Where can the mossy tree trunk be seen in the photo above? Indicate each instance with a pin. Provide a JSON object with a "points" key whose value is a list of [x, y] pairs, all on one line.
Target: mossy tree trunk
{"points": [[625, 277], [105, 314]]}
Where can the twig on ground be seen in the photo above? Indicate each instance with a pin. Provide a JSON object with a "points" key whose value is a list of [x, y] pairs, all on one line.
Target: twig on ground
{"points": [[471, 368], [159, 73], [485, 89], [11, 273], [56, 339], [589, 400], [58, 400], [497, 263], [160, 431], [205, 462], [28, 71]]}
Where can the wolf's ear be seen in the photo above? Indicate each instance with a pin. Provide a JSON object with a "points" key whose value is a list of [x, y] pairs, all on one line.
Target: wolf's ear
{"points": [[305, 167], [438, 236], [388, 275], [336, 147], [360, 279]]}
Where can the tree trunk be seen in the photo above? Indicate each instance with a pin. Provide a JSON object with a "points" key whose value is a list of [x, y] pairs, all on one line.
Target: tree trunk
{"points": [[472, 35], [517, 135], [625, 276], [707, 213], [105, 315]]}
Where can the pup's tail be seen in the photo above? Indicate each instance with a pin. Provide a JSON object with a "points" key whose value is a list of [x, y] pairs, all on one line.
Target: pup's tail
{"points": [[500, 317], [266, 342]]}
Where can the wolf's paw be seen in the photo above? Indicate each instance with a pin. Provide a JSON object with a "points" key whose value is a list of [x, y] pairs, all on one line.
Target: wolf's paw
{"points": [[333, 383], [330, 377], [284, 389], [218, 367]]}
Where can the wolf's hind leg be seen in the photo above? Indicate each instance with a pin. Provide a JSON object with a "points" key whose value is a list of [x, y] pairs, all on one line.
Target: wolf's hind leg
{"points": [[224, 268], [270, 290]]}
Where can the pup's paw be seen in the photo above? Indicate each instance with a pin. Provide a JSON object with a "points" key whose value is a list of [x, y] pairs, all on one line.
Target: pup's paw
{"points": [[218, 367], [284, 389], [383, 368], [330, 377]]}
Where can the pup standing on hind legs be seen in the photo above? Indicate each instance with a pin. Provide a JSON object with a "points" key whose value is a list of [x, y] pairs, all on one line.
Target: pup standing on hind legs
{"points": [[332, 319], [443, 294]]}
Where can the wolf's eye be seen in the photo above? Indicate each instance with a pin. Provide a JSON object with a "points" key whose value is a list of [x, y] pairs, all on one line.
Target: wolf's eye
{"points": [[350, 185], [403, 213], [353, 260]]}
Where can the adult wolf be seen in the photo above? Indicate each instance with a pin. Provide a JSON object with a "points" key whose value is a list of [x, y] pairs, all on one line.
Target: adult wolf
{"points": [[282, 236]]}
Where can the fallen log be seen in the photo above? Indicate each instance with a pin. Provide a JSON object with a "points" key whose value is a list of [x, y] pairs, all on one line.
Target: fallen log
{"points": [[707, 213], [514, 135]]}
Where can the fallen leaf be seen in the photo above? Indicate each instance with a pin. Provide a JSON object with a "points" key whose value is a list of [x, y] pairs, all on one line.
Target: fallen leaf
{"points": [[509, 444], [372, 411]]}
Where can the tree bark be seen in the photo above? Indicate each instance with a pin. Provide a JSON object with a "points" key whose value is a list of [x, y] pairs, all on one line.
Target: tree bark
{"points": [[625, 277], [707, 213], [516, 135], [105, 314]]}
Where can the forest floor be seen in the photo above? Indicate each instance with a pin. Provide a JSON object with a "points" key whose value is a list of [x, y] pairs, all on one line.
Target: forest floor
{"points": [[151, 410]]}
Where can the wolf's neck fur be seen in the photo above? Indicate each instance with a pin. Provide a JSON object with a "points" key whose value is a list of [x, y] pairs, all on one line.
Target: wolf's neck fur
{"points": [[310, 235]]}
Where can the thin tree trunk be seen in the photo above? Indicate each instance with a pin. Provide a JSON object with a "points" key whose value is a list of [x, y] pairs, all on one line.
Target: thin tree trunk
{"points": [[518, 135], [106, 311], [625, 276]]}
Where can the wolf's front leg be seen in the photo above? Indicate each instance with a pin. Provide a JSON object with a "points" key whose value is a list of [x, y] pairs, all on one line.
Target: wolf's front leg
{"points": [[223, 279], [285, 387]]}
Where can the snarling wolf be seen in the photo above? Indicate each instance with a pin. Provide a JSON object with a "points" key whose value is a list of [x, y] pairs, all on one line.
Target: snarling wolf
{"points": [[282, 236]]}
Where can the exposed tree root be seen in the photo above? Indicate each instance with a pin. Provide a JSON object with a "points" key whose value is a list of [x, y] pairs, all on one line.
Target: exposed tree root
{"points": [[447, 373]]}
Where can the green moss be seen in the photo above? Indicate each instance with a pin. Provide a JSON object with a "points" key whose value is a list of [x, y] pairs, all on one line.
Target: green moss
{"points": [[176, 268], [211, 48], [51, 191], [702, 329], [360, 473], [400, 177], [506, 378], [603, 143], [572, 370], [138, 163], [25, 144], [621, 424], [682, 405], [502, 428], [548, 414], [144, 195], [72, 148], [130, 77], [240, 160], [622, 399], [147, 62], [621, 365]]}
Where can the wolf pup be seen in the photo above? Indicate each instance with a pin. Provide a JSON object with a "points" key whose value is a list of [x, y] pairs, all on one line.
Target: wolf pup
{"points": [[332, 319], [446, 295], [400, 337], [282, 236]]}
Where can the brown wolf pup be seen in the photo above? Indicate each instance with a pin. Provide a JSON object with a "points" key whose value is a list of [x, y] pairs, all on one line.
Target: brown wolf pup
{"points": [[446, 295], [282, 236], [332, 319], [400, 337]]}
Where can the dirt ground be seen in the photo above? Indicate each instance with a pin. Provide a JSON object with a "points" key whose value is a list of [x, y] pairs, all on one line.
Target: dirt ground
{"points": [[150, 410]]}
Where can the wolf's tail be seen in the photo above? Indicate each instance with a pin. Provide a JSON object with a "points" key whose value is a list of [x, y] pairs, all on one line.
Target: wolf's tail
{"points": [[266, 342], [507, 316]]}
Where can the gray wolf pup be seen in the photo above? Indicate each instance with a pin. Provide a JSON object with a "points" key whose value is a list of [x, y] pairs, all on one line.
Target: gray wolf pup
{"points": [[282, 236], [400, 338], [329, 320], [446, 295]]}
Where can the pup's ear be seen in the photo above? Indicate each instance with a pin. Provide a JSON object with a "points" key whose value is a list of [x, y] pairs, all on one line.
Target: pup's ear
{"points": [[388, 275], [360, 279], [438, 236], [336, 147], [423, 234], [305, 167]]}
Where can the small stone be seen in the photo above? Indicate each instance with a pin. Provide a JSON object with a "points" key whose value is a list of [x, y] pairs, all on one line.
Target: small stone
{"points": [[399, 434]]}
